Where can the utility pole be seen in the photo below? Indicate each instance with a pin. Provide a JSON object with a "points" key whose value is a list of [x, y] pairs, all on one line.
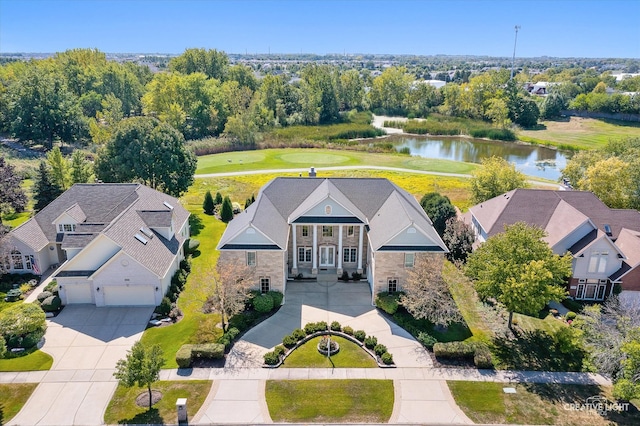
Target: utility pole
{"points": [[513, 61]]}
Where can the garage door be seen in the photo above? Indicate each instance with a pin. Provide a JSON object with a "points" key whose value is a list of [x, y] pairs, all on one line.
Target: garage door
{"points": [[129, 296], [78, 293]]}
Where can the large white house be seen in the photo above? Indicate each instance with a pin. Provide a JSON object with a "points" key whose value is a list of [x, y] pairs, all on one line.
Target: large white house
{"points": [[314, 225], [110, 244], [604, 242]]}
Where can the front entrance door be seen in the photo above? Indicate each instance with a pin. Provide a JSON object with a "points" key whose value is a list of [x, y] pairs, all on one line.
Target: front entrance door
{"points": [[327, 256]]}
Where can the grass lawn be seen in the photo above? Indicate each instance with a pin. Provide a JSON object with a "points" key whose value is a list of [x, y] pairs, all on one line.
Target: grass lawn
{"points": [[195, 326], [330, 401], [485, 402], [123, 408], [296, 158], [35, 361], [548, 324], [580, 133], [350, 356], [14, 396]]}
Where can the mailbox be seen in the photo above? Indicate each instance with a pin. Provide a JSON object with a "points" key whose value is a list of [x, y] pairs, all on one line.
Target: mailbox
{"points": [[181, 405]]}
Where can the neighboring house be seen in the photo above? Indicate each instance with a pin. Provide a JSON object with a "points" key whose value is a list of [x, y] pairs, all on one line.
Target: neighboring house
{"points": [[111, 244], [312, 225], [604, 242]]}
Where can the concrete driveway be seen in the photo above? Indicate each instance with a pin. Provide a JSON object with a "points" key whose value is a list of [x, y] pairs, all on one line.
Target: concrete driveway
{"points": [[85, 342]]}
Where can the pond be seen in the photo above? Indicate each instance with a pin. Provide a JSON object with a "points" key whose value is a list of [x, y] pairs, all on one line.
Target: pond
{"points": [[531, 160]]}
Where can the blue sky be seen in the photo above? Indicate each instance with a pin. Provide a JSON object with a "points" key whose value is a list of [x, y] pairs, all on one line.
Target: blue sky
{"points": [[562, 28]]}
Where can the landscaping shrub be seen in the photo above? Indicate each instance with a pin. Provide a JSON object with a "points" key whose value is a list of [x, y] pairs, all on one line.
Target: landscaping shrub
{"points": [[299, 334], [388, 302], [387, 358], [277, 297], [454, 350], [52, 287], [227, 338], [289, 341], [184, 357], [279, 350], [271, 358], [208, 351], [360, 335], [310, 328], [31, 339], [344, 276], [193, 245], [44, 295], [426, 340], [164, 307], [175, 313], [263, 303], [322, 326], [51, 304], [482, 356], [572, 305], [370, 342], [241, 321], [348, 330], [570, 316], [185, 264], [380, 349], [3, 347], [356, 276], [335, 326]]}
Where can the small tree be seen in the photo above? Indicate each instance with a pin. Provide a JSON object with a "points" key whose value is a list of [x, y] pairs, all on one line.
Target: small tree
{"points": [[495, 177], [226, 211], [426, 294], [459, 238], [218, 198], [44, 190], [208, 205], [439, 209], [12, 196], [141, 367], [81, 169], [233, 283]]}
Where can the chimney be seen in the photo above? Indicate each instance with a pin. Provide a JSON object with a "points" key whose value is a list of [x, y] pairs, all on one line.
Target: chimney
{"points": [[312, 172]]}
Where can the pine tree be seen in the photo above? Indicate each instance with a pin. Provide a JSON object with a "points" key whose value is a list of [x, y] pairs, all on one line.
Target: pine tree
{"points": [[59, 168], [218, 198], [208, 204], [80, 168], [226, 212], [44, 190]]}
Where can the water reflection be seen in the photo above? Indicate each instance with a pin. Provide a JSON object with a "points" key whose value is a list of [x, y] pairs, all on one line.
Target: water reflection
{"points": [[529, 159]]}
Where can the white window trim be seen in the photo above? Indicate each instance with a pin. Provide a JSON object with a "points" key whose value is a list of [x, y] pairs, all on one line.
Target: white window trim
{"points": [[352, 254], [268, 282], [255, 258], [413, 260], [306, 250]]}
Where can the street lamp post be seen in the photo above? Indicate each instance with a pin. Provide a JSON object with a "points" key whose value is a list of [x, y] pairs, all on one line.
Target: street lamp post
{"points": [[513, 61]]}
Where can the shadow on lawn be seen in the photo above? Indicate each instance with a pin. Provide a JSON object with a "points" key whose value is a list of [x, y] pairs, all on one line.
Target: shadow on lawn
{"points": [[195, 225], [539, 351], [150, 417]]}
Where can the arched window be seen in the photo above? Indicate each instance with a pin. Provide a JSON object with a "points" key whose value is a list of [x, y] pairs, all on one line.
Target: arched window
{"points": [[16, 259]]}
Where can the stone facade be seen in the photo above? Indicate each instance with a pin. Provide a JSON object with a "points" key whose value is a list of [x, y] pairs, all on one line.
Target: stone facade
{"points": [[269, 264], [391, 265]]}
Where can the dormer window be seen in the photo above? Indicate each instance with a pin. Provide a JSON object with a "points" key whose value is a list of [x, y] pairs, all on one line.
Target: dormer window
{"points": [[66, 227]]}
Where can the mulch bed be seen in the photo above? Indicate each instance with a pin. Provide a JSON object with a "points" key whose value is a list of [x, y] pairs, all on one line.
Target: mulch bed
{"points": [[142, 400]]}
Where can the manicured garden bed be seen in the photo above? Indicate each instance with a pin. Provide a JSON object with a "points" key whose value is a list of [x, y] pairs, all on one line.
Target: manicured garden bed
{"points": [[123, 408], [350, 356], [330, 401]]}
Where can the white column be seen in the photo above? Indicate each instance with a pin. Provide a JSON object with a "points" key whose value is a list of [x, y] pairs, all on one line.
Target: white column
{"points": [[360, 236], [339, 254], [314, 249], [295, 250]]}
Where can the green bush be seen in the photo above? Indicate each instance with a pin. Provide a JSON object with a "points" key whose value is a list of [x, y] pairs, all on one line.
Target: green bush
{"points": [[570, 316], [426, 340], [572, 305], [184, 357], [3, 347], [52, 287], [271, 358], [344, 276], [335, 326], [386, 358], [360, 335], [454, 350], [51, 304], [31, 339], [299, 334], [370, 342], [388, 302], [289, 341], [277, 297], [380, 349], [347, 330], [44, 295], [310, 328], [482, 356], [356, 276], [263, 303], [185, 264], [279, 350], [164, 307], [228, 338], [193, 245], [322, 326], [208, 351]]}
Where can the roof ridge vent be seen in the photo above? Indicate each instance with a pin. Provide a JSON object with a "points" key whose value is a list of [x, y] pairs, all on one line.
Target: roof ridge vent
{"points": [[142, 239], [167, 205], [146, 231]]}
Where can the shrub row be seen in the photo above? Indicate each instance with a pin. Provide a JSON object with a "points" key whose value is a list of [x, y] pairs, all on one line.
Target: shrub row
{"points": [[187, 353], [229, 337], [495, 134], [388, 302], [476, 351]]}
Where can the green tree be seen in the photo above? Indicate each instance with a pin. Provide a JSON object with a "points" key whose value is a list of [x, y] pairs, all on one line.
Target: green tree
{"points": [[81, 169], [628, 386], [495, 177], [212, 63], [243, 75], [12, 196], [610, 180], [233, 279], [44, 190], [226, 211], [23, 320], [208, 205], [553, 104], [218, 198], [519, 270], [458, 237], [439, 209], [141, 367], [146, 150], [390, 89], [322, 84], [352, 90], [59, 167]]}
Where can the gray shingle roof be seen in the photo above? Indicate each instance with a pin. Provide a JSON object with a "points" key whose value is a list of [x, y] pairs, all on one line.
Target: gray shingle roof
{"points": [[77, 240]]}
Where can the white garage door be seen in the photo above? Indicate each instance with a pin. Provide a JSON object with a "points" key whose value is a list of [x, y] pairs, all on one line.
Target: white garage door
{"points": [[139, 295], [78, 293]]}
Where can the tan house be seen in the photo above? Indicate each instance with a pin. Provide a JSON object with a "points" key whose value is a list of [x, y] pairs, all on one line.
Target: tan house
{"points": [[306, 226], [604, 242], [110, 244]]}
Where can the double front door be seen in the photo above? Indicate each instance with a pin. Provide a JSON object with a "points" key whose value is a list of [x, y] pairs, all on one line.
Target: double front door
{"points": [[327, 256]]}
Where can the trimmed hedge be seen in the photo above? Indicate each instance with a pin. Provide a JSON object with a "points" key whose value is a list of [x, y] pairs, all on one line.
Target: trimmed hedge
{"points": [[476, 351], [388, 302], [299, 334], [370, 342], [184, 357], [426, 340], [348, 330], [271, 358], [51, 304], [360, 335], [380, 349], [387, 358], [289, 341], [208, 351], [263, 303], [44, 295], [335, 326]]}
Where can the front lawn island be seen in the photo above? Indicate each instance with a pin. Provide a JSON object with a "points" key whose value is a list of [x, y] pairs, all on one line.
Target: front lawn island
{"points": [[14, 396], [35, 361], [330, 401], [123, 408], [349, 356]]}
